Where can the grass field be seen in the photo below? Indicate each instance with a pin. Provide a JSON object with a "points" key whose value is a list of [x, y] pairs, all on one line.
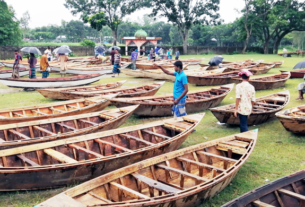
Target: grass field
{"points": [[277, 153]]}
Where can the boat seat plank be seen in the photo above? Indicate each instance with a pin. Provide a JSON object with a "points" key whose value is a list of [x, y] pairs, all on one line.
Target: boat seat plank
{"points": [[200, 164], [27, 160], [66, 126], [156, 184], [59, 156], [19, 134], [129, 190], [266, 104], [88, 122], [41, 113], [216, 156], [292, 194], [137, 139], [235, 143], [261, 204], [74, 146], [44, 130], [236, 150], [180, 126], [99, 197], [74, 107], [58, 110], [156, 134], [262, 107], [113, 145], [21, 115], [182, 172]]}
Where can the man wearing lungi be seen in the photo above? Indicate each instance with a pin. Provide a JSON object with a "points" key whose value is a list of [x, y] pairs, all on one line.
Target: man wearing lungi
{"points": [[180, 88]]}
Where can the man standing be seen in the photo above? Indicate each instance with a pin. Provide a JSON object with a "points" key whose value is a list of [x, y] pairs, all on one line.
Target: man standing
{"points": [[170, 53], [49, 53], [180, 88], [112, 53], [32, 60], [18, 59], [44, 64], [134, 56], [177, 54], [245, 99], [117, 63]]}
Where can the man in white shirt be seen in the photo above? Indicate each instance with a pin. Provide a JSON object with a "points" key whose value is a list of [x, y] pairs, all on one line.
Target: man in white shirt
{"points": [[49, 53]]}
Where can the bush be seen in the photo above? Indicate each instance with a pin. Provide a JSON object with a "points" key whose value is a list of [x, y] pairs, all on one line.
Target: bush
{"points": [[87, 43]]}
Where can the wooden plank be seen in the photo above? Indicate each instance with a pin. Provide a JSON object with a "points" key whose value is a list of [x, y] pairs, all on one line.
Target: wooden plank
{"points": [[74, 107], [113, 145], [59, 156], [279, 200], [237, 150], [27, 160], [88, 122], [200, 164], [21, 115], [130, 191], [156, 134], [19, 134], [156, 184], [66, 126], [216, 156], [182, 173], [261, 204], [137, 139], [41, 113], [292, 194], [99, 197], [74, 146], [233, 143], [44, 130], [58, 110]]}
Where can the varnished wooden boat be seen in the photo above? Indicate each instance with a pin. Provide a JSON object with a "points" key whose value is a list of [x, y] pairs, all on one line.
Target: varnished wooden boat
{"points": [[278, 64], [212, 79], [266, 82], [58, 93], [183, 178], [256, 70], [10, 63], [138, 91], [53, 110], [264, 109], [296, 73], [293, 119], [78, 159], [20, 134], [8, 73], [51, 82], [287, 191], [87, 69], [150, 65], [162, 105]]}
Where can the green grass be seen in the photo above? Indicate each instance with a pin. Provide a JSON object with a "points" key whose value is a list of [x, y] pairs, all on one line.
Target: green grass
{"points": [[277, 153]]}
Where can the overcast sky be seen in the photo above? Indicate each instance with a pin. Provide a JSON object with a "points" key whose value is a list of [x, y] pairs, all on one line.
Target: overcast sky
{"points": [[46, 12]]}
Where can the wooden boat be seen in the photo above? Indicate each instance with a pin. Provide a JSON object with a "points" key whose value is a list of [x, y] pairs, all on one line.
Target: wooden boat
{"points": [[278, 64], [256, 70], [58, 93], [138, 91], [53, 110], [183, 178], [87, 69], [162, 105], [10, 63], [78, 159], [20, 134], [149, 65], [212, 79], [266, 82], [63, 82], [287, 191], [264, 109], [1, 67], [296, 73], [293, 119], [8, 73]]}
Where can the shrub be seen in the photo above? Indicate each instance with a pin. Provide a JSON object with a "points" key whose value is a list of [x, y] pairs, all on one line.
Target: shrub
{"points": [[87, 43]]}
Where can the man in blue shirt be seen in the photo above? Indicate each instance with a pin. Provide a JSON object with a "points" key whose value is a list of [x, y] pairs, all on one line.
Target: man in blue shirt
{"points": [[180, 88], [177, 54], [134, 56]]}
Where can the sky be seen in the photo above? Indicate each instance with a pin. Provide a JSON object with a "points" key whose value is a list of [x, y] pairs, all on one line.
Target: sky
{"points": [[46, 12]]}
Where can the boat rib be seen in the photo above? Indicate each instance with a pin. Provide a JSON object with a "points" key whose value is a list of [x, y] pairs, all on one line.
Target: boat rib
{"points": [[186, 177]]}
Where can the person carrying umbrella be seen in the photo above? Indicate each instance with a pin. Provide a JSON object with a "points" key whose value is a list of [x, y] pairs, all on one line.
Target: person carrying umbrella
{"points": [[44, 64], [32, 60], [18, 59]]}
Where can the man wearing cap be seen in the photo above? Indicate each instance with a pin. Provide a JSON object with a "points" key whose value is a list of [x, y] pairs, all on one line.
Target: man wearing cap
{"points": [[18, 59], [245, 99]]}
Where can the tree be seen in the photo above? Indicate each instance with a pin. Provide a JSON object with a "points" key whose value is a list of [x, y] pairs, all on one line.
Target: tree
{"points": [[103, 12], [186, 13], [24, 23], [10, 33]]}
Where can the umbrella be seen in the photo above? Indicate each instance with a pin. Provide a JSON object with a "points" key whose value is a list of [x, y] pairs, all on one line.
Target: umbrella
{"points": [[215, 60], [99, 48], [115, 47], [34, 50], [62, 50], [300, 65]]}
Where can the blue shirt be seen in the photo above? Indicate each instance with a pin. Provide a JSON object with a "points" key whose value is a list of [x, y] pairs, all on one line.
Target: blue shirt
{"points": [[157, 51], [177, 53], [180, 81], [134, 55]]}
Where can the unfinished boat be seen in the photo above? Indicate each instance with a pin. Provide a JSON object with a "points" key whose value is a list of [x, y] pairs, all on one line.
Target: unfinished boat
{"points": [[257, 70], [293, 119], [150, 65], [212, 79], [296, 73], [53, 110], [183, 178], [87, 69], [278, 64], [8, 73], [58, 93], [266, 82], [287, 191], [264, 109], [51, 82], [138, 91], [38, 131], [161, 105], [78, 159]]}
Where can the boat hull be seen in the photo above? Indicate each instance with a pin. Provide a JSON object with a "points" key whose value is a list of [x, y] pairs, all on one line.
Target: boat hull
{"points": [[83, 72], [9, 74], [207, 81], [296, 73], [294, 125], [148, 74]]}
